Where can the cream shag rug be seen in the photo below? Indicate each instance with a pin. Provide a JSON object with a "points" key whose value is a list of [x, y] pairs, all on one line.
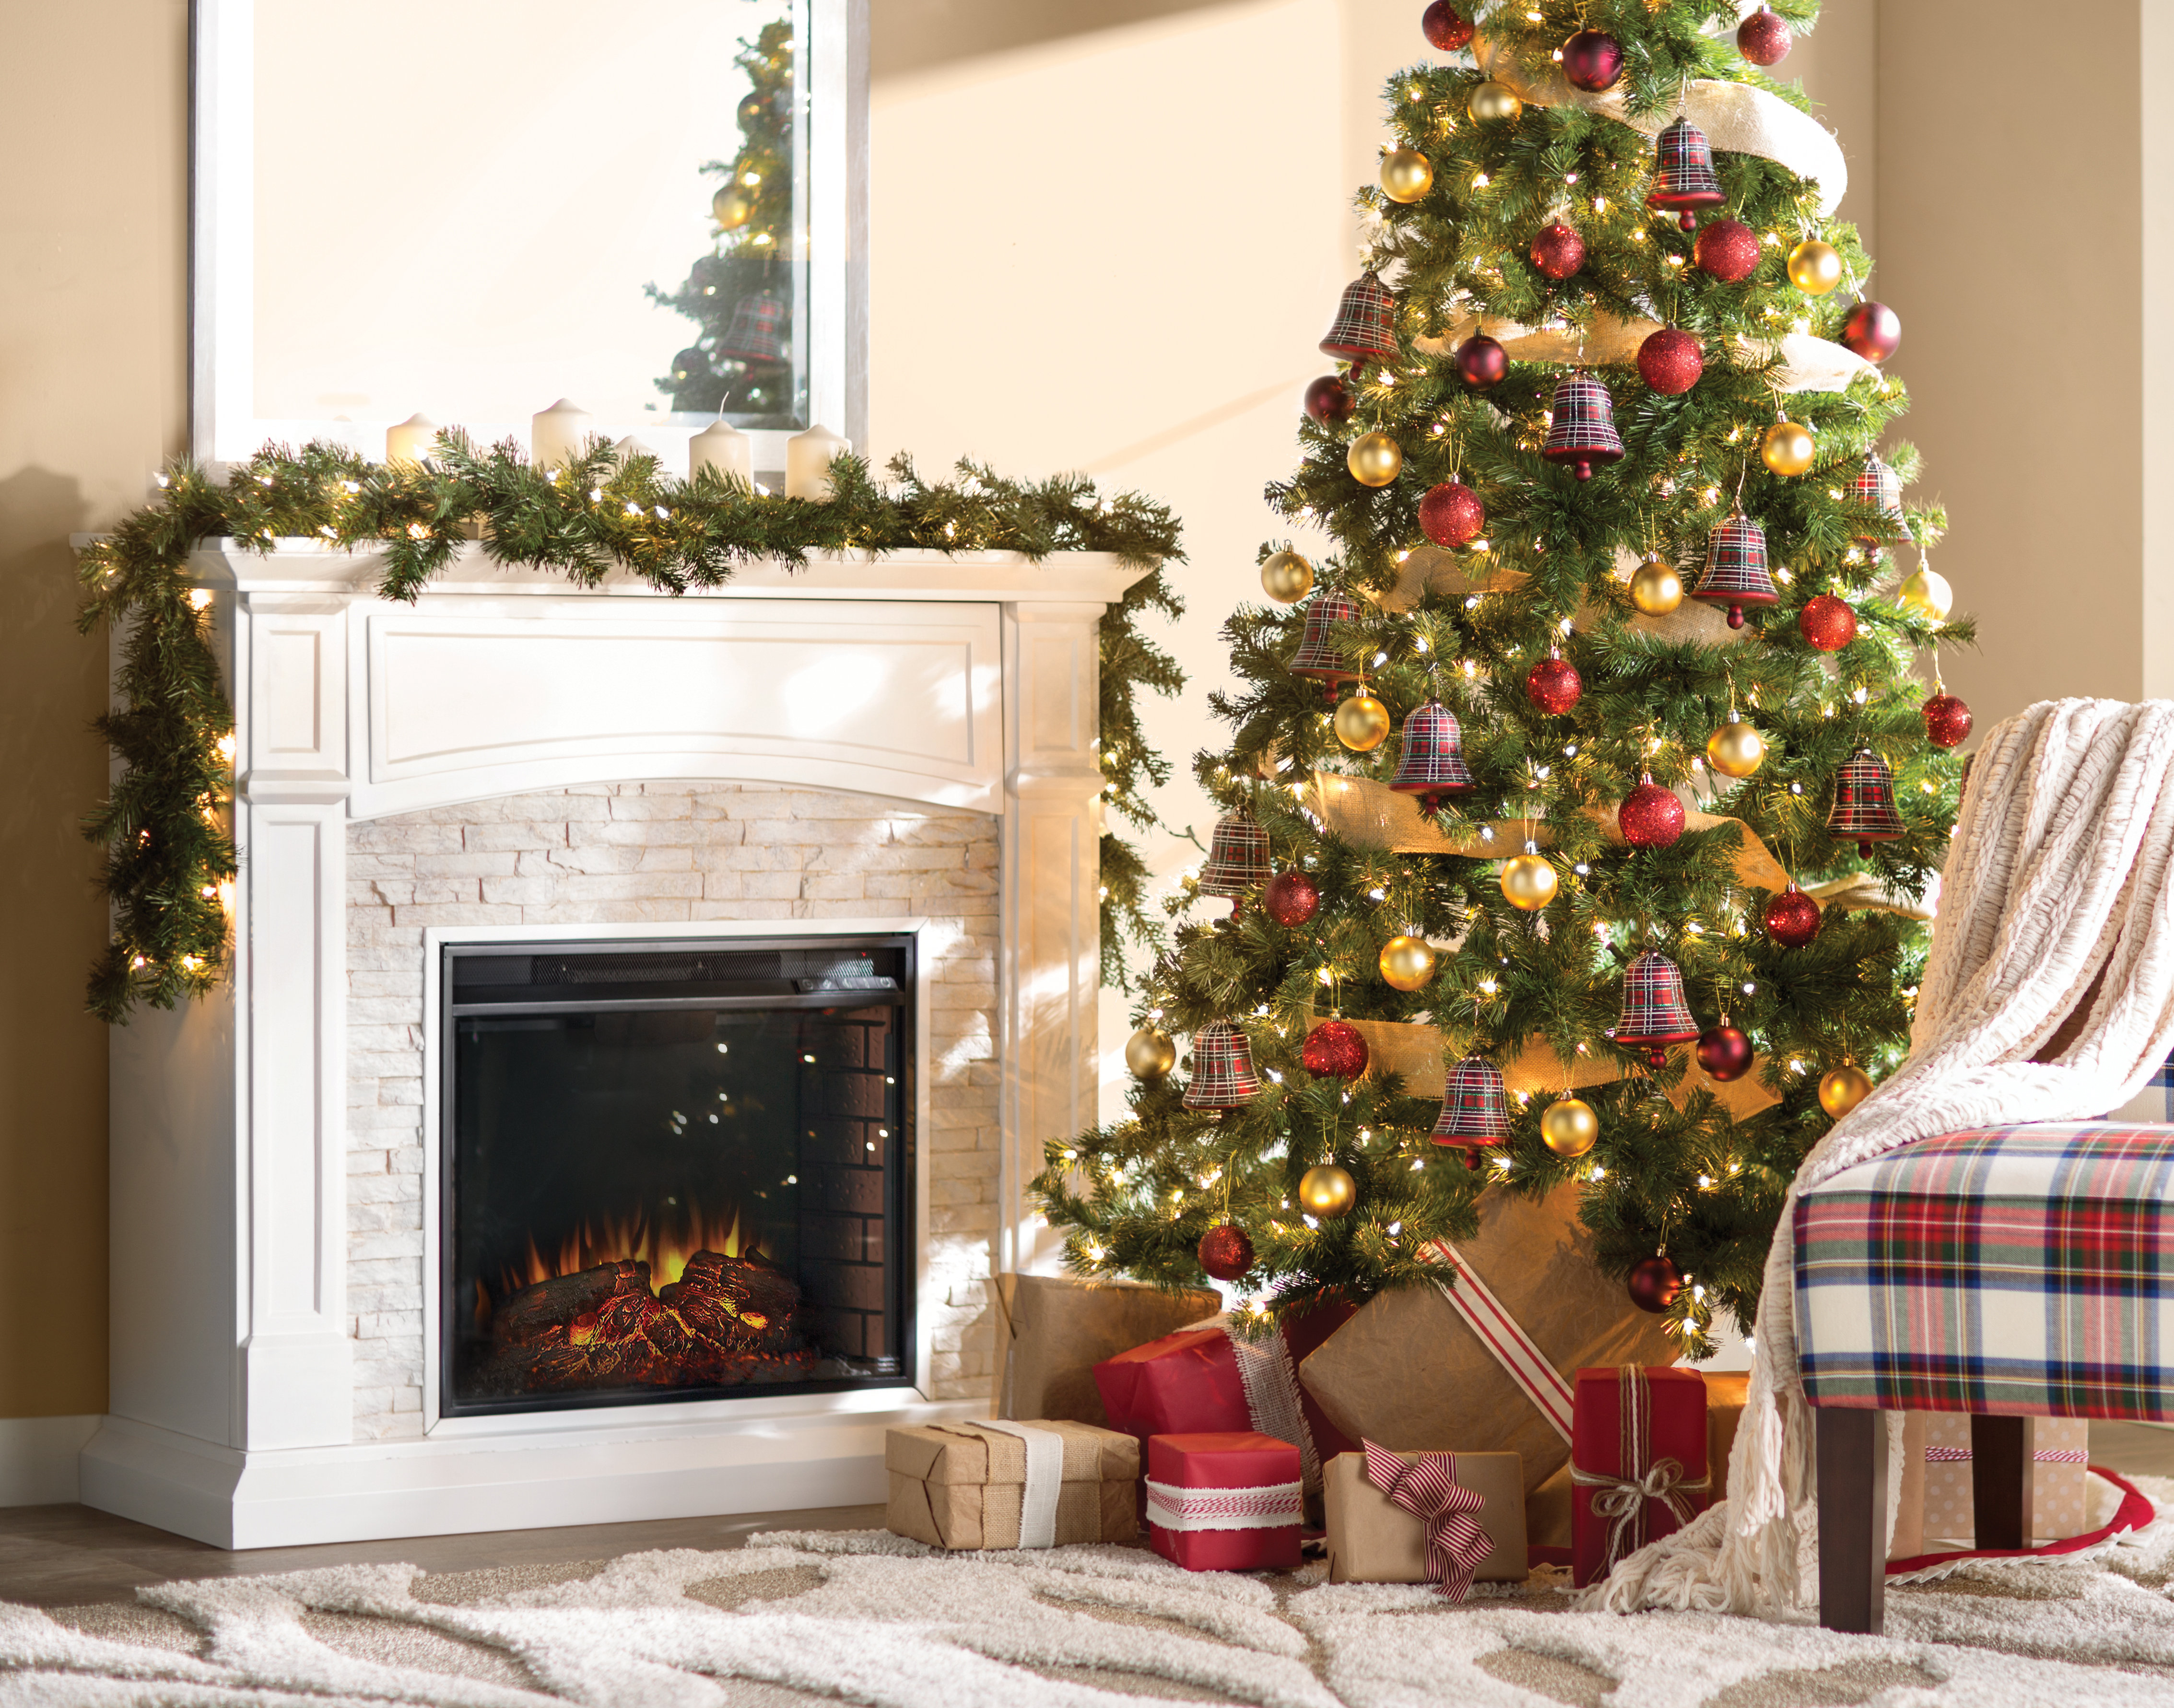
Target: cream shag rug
{"points": [[811, 1616]]}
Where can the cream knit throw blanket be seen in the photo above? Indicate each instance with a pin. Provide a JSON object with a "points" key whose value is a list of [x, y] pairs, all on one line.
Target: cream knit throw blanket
{"points": [[2063, 866]]}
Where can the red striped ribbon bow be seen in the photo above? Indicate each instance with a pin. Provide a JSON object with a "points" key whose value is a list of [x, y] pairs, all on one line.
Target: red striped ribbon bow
{"points": [[1456, 1543]]}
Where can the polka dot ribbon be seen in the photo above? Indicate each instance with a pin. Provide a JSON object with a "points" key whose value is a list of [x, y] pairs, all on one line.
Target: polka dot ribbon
{"points": [[1456, 1543]]}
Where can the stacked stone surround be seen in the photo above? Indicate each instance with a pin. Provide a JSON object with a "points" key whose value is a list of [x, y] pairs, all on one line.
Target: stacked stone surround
{"points": [[652, 852]]}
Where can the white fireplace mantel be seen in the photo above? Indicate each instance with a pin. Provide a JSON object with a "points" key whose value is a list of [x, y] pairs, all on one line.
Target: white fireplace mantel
{"points": [[966, 682]]}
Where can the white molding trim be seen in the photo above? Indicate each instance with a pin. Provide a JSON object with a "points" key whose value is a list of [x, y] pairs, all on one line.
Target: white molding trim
{"points": [[38, 1458]]}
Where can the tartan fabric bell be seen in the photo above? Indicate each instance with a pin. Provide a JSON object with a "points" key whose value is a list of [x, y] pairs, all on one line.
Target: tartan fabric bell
{"points": [[1366, 326], [756, 333], [1237, 857], [1880, 487], [1474, 1112], [1736, 569], [1581, 425], [1654, 1013], [1432, 764], [1223, 1075], [1864, 803], [1317, 655], [1683, 173]]}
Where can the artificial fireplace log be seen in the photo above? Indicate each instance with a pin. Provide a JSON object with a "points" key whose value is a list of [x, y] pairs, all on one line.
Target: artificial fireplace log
{"points": [[530, 1314]]}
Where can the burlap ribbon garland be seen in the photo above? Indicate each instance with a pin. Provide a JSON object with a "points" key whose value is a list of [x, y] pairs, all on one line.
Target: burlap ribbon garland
{"points": [[1456, 1543], [1645, 1480]]}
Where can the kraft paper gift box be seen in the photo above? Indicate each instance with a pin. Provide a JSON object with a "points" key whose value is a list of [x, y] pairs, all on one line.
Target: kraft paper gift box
{"points": [[1935, 1506], [978, 1485], [1373, 1540], [1655, 1415], [1052, 1330], [1228, 1500]]}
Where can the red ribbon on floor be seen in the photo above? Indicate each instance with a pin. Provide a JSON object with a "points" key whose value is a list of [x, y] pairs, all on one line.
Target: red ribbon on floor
{"points": [[1428, 1489]]}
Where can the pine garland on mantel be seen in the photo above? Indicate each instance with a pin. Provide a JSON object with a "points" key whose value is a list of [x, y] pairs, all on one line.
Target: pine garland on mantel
{"points": [[170, 855]]}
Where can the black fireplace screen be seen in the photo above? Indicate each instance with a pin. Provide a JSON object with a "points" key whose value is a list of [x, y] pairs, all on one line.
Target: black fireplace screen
{"points": [[675, 1172]]}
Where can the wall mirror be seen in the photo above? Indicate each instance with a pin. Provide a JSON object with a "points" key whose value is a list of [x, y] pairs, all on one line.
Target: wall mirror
{"points": [[654, 209]]}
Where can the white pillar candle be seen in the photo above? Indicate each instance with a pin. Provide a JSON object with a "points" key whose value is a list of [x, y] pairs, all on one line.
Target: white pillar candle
{"points": [[808, 461], [631, 446], [555, 436], [724, 448], [410, 441]]}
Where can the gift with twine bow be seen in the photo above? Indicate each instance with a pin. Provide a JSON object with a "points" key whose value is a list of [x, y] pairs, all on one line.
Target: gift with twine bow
{"points": [[1638, 1462]]}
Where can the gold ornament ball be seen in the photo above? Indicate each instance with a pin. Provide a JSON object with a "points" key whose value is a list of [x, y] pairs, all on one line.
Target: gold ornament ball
{"points": [[1842, 1089], [1815, 268], [1529, 881], [731, 209], [1493, 100], [1286, 578], [1735, 750], [1375, 459], [1407, 962], [1786, 449], [1656, 589], [1362, 723], [1406, 174], [1569, 1127], [1327, 1192], [1928, 594], [1150, 1054]]}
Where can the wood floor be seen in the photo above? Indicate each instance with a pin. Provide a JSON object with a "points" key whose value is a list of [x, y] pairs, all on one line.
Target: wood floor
{"points": [[72, 1556]]}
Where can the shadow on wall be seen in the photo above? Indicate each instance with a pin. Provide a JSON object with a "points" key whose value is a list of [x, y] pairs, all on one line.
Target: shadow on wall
{"points": [[910, 35], [53, 1055]]}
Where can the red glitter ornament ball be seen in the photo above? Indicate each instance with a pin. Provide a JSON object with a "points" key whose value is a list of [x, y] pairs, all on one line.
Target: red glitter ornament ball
{"points": [[1793, 918], [1291, 898], [1334, 1050], [1651, 816], [1654, 1283], [1452, 514], [1764, 39], [1558, 252], [1827, 623], [1592, 60], [1329, 400], [1553, 685], [1480, 361], [1727, 249], [1947, 721], [1670, 361], [1225, 1252], [1873, 331], [1724, 1052], [1445, 27]]}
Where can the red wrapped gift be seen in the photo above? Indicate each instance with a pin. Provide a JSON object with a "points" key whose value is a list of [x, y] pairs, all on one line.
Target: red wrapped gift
{"points": [[1229, 1501], [1637, 1455]]}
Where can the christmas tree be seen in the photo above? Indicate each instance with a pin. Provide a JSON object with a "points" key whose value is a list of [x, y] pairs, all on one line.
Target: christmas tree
{"points": [[1615, 657], [743, 294]]}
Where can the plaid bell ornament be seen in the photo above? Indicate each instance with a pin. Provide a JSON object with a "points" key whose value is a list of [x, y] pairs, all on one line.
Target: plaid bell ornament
{"points": [[1223, 1075], [1736, 569], [1683, 174], [1432, 764], [1474, 1110], [1365, 329], [756, 331], [1864, 803], [1581, 425], [1879, 488], [1237, 857], [1317, 655], [1654, 1013]]}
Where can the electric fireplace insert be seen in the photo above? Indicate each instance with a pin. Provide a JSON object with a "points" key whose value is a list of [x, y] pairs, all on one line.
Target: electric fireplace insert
{"points": [[675, 1170]]}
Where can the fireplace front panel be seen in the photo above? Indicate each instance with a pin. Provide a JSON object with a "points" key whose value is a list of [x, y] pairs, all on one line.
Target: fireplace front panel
{"points": [[674, 1171]]}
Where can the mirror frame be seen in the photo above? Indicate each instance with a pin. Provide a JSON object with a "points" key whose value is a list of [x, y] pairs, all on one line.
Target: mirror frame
{"points": [[223, 426]]}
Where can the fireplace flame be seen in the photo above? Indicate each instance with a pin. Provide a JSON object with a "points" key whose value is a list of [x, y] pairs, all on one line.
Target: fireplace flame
{"points": [[664, 1241]]}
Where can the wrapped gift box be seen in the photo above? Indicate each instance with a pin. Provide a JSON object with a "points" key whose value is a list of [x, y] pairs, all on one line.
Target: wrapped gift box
{"points": [[975, 1485], [1725, 1391], [1225, 1500], [1625, 1421], [1935, 1509], [1052, 1330], [1373, 1540]]}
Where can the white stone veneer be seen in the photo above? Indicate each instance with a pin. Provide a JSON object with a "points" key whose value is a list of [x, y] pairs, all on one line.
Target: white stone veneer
{"points": [[647, 852]]}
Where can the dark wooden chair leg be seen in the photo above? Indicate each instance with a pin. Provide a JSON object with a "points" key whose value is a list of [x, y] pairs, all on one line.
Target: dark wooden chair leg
{"points": [[1853, 1464], [2002, 1450]]}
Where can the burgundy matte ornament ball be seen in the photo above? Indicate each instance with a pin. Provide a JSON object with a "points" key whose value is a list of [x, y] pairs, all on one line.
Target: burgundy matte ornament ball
{"points": [[1654, 1283], [1764, 39], [1592, 60], [1724, 1052], [1334, 1050], [1451, 514], [1480, 361], [1793, 918], [1225, 1252], [1873, 331], [1827, 623], [1329, 400], [1558, 252], [1727, 249], [1947, 721], [1651, 816], [1553, 685], [1291, 898], [1670, 361], [1445, 27]]}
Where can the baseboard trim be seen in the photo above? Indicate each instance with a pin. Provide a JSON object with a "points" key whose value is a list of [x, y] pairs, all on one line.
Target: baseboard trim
{"points": [[38, 1458]]}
